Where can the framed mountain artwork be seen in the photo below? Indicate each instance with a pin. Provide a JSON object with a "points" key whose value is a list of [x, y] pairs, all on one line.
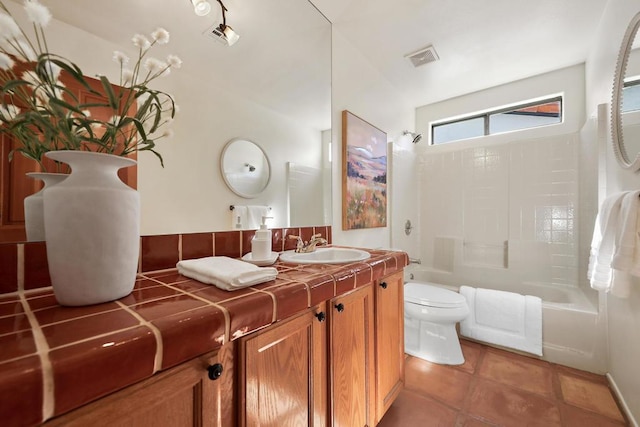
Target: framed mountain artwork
{"points": [[364, 174]]}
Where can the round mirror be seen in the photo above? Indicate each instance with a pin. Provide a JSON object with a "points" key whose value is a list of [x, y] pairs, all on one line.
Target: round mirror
{"points": [[245, 167], [625, 123]]}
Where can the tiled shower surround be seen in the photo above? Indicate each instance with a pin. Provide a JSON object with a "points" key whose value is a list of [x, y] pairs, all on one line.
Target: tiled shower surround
{"points": [[504, 213]]}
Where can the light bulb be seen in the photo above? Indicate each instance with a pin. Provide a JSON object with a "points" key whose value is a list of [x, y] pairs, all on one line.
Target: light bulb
{"points": [[201, 7]]}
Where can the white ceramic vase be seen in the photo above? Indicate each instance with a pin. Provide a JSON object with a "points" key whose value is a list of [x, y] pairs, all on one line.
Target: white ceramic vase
{"points": [[34, 208], [92, 220]]}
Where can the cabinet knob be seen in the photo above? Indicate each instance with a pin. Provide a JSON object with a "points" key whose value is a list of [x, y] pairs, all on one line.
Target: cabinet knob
{"points": [[215, 371], [383, 285], [340, 307], [321, 316]]}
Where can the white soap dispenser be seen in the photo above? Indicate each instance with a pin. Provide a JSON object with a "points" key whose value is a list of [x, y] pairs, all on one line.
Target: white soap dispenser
{"points": [[261, 242]]}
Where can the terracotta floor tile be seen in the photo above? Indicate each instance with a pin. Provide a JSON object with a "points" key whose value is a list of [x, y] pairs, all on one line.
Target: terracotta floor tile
{"points": [[504, 405], [588, 395], [472, 352], [411, 409], [576, 417], [528, 375], [469, 421], [496, 387], [438, 381]]}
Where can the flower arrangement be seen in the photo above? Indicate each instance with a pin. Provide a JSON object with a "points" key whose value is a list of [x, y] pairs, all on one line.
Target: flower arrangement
{"points": [[38, 109]]}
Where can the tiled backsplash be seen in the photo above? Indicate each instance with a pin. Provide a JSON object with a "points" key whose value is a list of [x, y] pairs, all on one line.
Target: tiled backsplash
{"points": [[23, 266]]}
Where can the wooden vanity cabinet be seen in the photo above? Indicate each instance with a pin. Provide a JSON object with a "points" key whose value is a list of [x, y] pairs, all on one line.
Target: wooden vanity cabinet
{"points": [[196, 393], [340, 363], [389, 338], [351, 358], [282, 373]]}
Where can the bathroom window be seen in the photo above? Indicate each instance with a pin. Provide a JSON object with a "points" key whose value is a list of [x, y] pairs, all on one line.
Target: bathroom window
{"points": [[523, 116], [631, 95]]}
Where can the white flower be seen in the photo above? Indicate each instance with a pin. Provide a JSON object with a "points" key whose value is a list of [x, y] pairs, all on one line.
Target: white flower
{"points": [[127, 76], [154, 65], [6, 63], [9, 112], [8, 27], [120, 57], [174, 61], [161, 36], [37, 13], [26, 50], [52, 70], [31, 77], [142, 99], [141, 42]]}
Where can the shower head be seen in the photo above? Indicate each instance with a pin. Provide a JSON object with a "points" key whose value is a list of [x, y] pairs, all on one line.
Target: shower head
{"points": [[416, 136]]}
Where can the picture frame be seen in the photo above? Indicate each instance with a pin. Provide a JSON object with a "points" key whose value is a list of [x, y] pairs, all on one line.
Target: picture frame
{"points": [[364, 174]]}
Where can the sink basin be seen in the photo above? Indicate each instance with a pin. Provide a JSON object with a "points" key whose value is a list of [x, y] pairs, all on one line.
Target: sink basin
{"points": [[325, 256]]}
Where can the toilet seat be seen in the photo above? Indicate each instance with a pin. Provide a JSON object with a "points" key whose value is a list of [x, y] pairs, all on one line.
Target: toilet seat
{"points": [[432, 296]]}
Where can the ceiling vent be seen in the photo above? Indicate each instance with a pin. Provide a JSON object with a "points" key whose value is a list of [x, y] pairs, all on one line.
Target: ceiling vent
{"points": [[423, 56]]}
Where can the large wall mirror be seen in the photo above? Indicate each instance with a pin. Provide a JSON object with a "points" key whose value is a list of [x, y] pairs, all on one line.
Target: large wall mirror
{"points": [[625, 104], [272, 87]]}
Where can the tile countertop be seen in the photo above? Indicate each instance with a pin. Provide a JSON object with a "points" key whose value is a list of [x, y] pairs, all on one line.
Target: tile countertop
{"points": [[54, 359]]}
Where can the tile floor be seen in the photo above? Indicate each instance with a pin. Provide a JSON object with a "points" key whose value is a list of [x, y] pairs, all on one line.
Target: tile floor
{"points": [[500, 388]]}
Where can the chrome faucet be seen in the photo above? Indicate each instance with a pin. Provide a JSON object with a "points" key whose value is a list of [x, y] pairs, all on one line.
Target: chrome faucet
{"points": [[310, 246]]}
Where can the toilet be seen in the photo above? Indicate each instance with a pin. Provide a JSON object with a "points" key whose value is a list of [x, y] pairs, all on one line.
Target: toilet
{"points": [[430, 316]]}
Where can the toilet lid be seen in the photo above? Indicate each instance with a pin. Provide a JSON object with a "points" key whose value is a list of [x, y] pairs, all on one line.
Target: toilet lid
{"points": [[432, 296]]}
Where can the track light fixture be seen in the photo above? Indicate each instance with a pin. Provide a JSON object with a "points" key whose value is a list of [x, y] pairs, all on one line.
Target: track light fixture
{"points": [[222, 32], [225, 32]]}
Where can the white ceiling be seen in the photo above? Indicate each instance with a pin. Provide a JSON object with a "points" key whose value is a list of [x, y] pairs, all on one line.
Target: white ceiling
{"points": [[481, 43]]}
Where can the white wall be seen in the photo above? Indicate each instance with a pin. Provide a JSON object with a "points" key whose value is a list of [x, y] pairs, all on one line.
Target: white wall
{"points": [[359, 88], [623, 314]]}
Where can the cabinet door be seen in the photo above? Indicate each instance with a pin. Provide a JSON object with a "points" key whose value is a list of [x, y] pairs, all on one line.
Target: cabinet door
{"points": [[389, 329], [351, 359], [182, 396], [283, 378]]}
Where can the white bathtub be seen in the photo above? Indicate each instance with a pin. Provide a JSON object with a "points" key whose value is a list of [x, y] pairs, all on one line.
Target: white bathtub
{"points": [[573, 331]]}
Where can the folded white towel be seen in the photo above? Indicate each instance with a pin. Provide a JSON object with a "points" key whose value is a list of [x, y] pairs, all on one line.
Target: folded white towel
{"points": [[603, 243], [226, 273], [504, 318]]}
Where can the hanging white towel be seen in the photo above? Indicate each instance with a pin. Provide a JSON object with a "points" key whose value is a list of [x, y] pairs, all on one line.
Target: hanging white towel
{"points": [[625, 262], [226, 273], [503, 318], [603, 243], [254, 216]]}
